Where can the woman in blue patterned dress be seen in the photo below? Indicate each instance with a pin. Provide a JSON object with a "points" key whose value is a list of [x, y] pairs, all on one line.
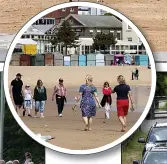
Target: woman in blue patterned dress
{"points": [[88, 92]]}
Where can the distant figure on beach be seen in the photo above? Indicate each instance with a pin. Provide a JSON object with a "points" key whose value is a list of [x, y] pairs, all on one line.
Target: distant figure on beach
{"points": [[118, 61], [17, 93], [135, 74], [88, 93], [40, 97], [28, 158], [123, 92], [27, 100], [60, 92], [106, 100]]}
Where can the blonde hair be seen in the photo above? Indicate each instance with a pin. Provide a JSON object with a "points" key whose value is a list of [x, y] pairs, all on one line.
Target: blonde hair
{"points": [[89, 80], [121, 79]]}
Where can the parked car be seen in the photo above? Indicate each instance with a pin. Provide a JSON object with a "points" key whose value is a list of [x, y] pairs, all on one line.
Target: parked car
{"points": [[157, 133], [155, 155]]}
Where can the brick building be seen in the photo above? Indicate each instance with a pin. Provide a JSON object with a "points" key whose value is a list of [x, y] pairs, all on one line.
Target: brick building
{"points": [[60, 15]]}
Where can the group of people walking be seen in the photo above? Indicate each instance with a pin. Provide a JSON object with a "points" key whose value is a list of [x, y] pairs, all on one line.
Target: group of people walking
{"points": [[87, 97], [25, 99]]}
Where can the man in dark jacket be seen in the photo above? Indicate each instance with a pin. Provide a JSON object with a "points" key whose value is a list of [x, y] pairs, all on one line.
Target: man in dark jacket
{"points": [[16, 92]]}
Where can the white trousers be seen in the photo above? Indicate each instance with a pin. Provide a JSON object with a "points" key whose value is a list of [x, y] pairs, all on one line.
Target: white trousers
{"points": [[107, 108]]}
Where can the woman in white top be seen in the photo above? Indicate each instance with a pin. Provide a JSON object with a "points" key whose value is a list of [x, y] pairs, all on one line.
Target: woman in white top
{"points": [[27, 100]]}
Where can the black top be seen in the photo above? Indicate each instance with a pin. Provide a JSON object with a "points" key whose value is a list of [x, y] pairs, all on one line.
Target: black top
{"points": [[40, 94], [122, 91], [137, 71], [17, 86]]}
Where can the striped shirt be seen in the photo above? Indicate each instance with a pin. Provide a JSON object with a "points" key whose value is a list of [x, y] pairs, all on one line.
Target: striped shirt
{"points": [[61, 90]]}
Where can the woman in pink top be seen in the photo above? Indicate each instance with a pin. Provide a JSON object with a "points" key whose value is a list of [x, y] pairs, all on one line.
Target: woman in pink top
{"points": [[60, 94]]}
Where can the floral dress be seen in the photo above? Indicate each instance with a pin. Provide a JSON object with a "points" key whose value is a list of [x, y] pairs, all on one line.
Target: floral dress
{"points": [[88, 104]]}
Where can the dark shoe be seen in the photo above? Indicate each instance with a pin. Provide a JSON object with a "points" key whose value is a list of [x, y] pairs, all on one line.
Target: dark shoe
{"points": [[24, 112], [29, 115]]}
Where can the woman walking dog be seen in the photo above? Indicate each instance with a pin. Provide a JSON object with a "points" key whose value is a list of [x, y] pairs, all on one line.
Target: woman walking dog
{"points": [[123, 92], [88, 92]]}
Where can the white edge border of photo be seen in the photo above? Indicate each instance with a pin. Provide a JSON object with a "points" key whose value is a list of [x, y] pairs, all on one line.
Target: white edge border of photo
{"points": [[89, 151]]}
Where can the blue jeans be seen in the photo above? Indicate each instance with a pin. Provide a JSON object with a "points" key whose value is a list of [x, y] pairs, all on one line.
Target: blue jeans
{"points": [[39, 106]]}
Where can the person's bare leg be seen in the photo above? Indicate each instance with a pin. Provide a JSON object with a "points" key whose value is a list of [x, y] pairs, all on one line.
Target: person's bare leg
{"points": [[89, 123], [85, 119], [18, 110], [121, 119], [125, 120]]}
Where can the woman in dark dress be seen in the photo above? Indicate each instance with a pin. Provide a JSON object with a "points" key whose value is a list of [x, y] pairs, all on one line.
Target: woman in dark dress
{"points": [[88, 92], [123, 92]]}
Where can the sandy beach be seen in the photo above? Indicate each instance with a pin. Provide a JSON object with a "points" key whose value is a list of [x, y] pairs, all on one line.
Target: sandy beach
{"points": [[148, 15], [68, 130]]}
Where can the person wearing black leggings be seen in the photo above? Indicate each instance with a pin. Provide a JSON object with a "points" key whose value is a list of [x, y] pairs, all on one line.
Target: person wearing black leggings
{"points": [[60, 94]]}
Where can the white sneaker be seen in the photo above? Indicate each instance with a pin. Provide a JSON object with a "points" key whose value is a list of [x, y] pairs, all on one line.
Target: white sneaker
{"points": [[42, 116], [60, 115]]}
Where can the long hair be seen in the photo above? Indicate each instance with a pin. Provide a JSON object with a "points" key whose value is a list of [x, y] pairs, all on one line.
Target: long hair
{"points": [[38, 83], [121, 79], [89, 80], [106, 83]]}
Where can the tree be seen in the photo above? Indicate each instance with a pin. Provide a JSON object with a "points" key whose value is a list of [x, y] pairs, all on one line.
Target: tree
{"points": [[108, 14], [161, 89], [65, 36], [102, 41], [17, 142]]}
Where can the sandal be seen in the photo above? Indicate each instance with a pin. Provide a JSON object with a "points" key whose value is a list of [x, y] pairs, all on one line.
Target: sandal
{"points": [[86, 128]]}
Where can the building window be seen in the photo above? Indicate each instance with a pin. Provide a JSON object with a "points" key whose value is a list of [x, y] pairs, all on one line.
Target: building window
{"points": [[23, 36], [129, 28], [64, 9], [131, 47], [71, 22], [78, 30], [72, 9], [118, 35], [32, 36], [112, 32], [130, 39], [91, 32], [27, 36]]}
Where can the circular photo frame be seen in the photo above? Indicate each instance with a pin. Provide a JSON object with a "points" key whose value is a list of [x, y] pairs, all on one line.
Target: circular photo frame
{"points": [[91, 5]]}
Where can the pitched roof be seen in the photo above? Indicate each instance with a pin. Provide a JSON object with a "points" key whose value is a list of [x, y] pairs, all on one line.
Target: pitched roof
{"points": [[33, 31], [43, 28], [97, 21]]}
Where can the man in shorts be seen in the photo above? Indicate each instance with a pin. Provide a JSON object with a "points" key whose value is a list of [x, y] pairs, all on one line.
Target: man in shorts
{"points": [[16, 92]]}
